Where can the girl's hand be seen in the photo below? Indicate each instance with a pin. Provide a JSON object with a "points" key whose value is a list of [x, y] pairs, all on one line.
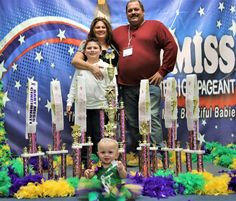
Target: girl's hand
{"points": [[89, 173]]}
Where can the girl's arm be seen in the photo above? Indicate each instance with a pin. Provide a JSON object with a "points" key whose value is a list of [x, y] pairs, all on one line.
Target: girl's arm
{"points": [[121, 170]]}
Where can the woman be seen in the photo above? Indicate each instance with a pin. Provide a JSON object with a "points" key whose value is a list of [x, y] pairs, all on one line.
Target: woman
{"points": [[100, 29]]}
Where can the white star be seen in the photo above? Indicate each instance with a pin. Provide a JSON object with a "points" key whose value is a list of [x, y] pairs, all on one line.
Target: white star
{"points": [[53, 65], [198, 33], [232, 9], [61, 34], [2, 69], [71, 50], [48, 105], [204, 122], [70, 77], [17, 85], [216, 126], [221, 6], [38, 56], [5, 99], [233, 27], [218, 24], [232, 135], [18, 111], [14, 66], [39, 98], [201, 138], [30, 79], [21, 39], [201, 11]]}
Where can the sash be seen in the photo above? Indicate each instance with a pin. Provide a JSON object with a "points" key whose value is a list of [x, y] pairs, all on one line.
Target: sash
{"points": [[80, 103], [170, 107], [31, 107], [57, 105], [192, 101], [144, 105]]}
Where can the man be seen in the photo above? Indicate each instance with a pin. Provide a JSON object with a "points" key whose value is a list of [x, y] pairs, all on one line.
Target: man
{"points": [[139, 44]]}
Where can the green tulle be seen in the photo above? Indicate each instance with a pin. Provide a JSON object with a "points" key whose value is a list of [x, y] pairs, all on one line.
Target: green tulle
{"points": [[193, 183], [17, 166], [73, 181], [5, 183], [164, 173]]}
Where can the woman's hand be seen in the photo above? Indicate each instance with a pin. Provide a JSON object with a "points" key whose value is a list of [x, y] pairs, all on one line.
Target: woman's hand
{"points": [[96, 71]]}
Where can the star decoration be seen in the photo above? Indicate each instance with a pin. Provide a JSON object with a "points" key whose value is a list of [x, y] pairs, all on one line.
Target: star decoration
{"points": [[201, 11], [232, 9], [70, 77], [204, 122], [221, 6], [21, 39], [233, 27], [71, 51], [39, 99], [53, 65], [5, 99], [18, 111], [14, 67], [75, 128], [201, 138], [61, 34], [48, 105], [216, 127], [198, 33], [2, 68], [38, 56], [218, 24], [30, 79], [177, 12], [17, 85]]}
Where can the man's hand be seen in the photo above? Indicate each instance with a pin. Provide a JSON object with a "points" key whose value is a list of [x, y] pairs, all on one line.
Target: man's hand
{"points": [[156, 79]]}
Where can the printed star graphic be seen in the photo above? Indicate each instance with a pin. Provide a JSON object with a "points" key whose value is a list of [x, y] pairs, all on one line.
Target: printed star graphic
{"points": [[201, 11], [204, 122], [177, 12], [48, 105], [70, 77], [221, 6], [53, 65], [233, 27], [5, 99], [18, 111], [232, 9], [14, 67], [216, 127], [30, 79], [61, 34], [2, 68], [38, 56], [17, 85], [21, 39], [201, 138], [218, 24], [71, 50], [198, 33]]}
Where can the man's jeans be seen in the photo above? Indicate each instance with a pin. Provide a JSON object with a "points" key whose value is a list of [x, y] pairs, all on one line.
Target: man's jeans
{"points": [[131, 98]]}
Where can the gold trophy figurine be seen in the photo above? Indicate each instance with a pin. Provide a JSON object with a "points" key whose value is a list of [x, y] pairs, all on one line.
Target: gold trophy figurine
{"points": [[76, 134], [110, 70], [144, 131]]}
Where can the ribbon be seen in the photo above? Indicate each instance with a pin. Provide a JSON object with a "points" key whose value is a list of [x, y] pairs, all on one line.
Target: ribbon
{"points": [[170, 114], [57, 105], [31, 107], [80, 103], [192, 101], [144, 106]]}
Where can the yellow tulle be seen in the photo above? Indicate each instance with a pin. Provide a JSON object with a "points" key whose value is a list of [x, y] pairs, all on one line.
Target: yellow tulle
{"points": [[215, 185], [50, 188]]}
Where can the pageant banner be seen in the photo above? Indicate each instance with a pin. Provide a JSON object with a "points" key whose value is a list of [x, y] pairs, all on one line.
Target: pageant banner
{"points": [[38, 39]]}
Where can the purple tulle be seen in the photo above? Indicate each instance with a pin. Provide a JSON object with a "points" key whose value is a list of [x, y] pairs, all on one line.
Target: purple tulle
{"points": [[18, 182], [232, 183], [159, 187]]}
